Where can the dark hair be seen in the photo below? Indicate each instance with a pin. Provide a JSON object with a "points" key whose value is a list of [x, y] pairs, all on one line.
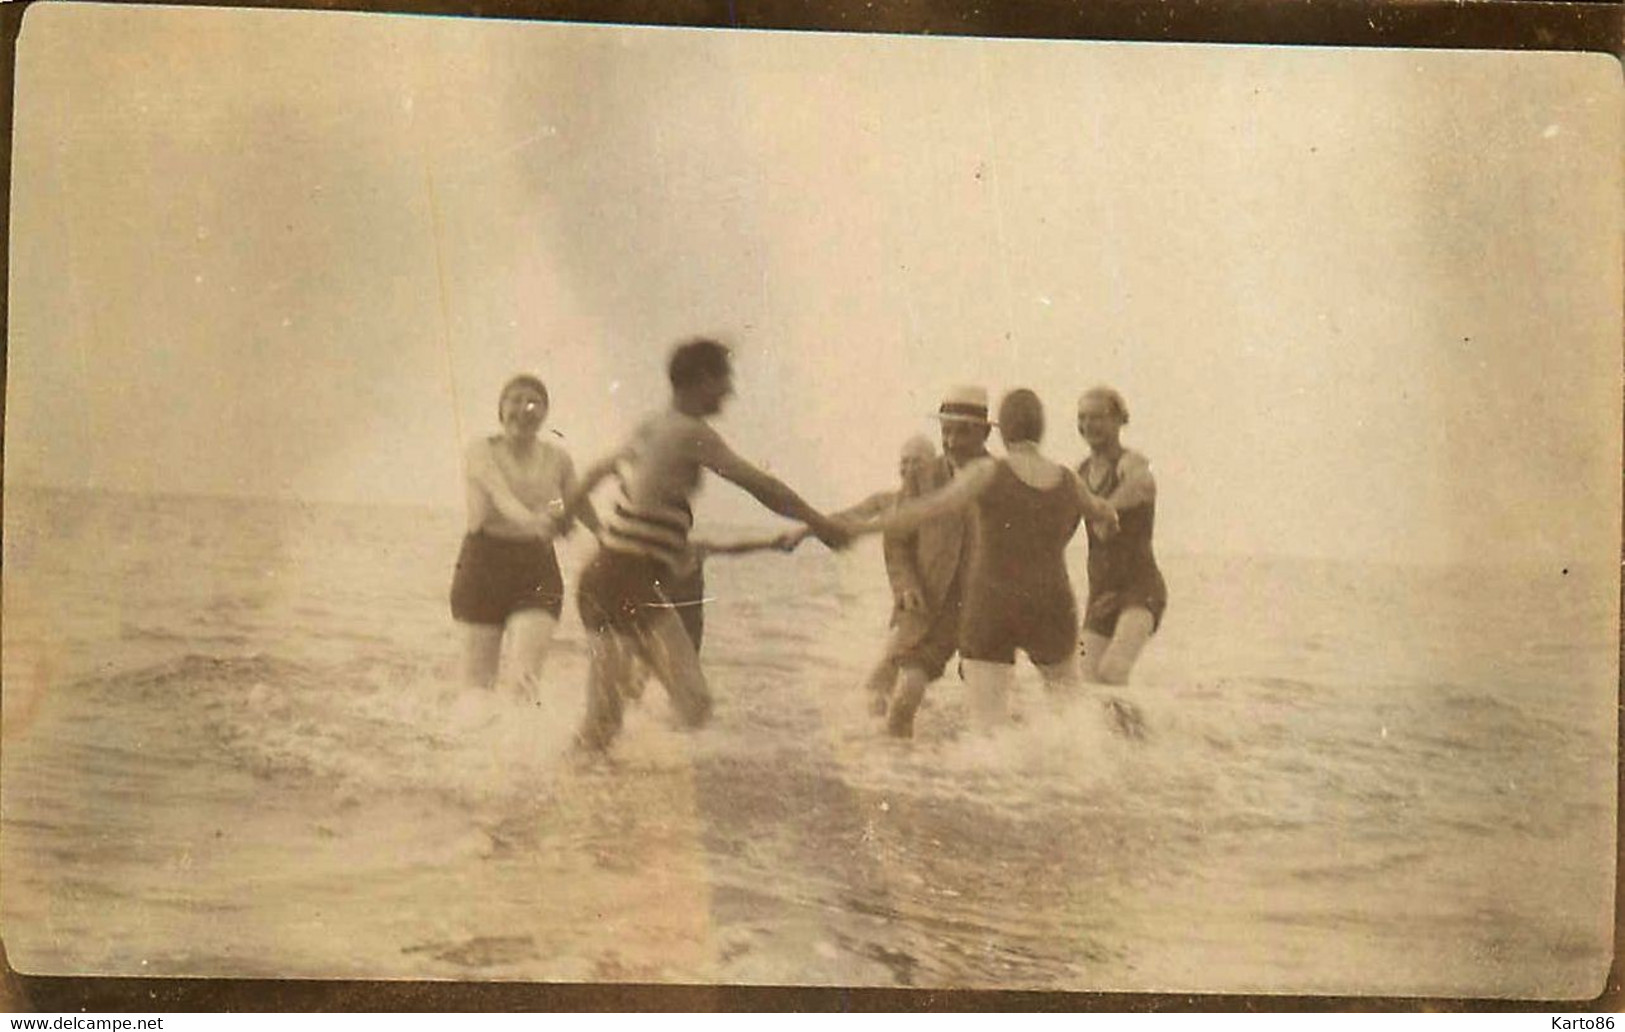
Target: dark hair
{"points": [[523, 380], [1021, 417], [697, 358]]}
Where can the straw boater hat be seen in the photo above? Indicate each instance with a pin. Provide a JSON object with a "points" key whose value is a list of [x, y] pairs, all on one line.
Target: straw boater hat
{"points": [[964, 405]]}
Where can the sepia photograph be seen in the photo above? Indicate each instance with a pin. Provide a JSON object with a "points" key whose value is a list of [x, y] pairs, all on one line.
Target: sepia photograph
{"points": [[514, 501]]}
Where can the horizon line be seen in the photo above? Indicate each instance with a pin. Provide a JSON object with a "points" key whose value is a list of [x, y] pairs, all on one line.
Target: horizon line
{"points": [[387, 503]]}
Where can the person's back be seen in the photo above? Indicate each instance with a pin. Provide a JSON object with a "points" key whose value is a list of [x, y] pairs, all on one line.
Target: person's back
{"points": [[658, 475], [666, 456], [1022, 534], [1019, 598]]}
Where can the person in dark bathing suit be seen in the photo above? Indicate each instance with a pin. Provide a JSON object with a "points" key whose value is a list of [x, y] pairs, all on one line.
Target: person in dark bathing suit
{"points": [[1127, 595], [1018, 596]]}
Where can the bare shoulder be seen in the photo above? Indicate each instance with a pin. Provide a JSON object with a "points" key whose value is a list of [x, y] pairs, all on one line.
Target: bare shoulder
{"points": [[1136, 478], [978, 472], [700, 435], [876, 504], [555, 453], [478, 451], [1134, 462]]}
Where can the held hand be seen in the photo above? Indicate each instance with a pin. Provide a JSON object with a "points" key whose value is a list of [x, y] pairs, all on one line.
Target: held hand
{"points": [[909, 601], [1107, 524], [835, 534], [548, 523], [790, 540], [856, 526], [545, 527]]}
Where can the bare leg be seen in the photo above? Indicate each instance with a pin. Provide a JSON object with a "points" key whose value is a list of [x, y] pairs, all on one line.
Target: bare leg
{"points": [[882, 679], [905, 701], [482, 652], [1093, 647], [1061, 678], [669, 651], [610, 665], [1111, 662], [987, 689], [632, 688], [1134, 628], [531, 634]]}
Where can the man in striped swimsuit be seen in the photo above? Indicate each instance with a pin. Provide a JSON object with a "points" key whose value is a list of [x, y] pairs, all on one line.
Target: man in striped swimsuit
{"points": [[644, 542]]}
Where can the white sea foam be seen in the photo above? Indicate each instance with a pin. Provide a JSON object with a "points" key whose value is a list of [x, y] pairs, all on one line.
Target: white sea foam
{"points": [[254, 757]]}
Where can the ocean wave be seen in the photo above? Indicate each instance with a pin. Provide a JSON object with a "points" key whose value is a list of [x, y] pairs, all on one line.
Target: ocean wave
{"points": [[189, 636], [197, 672], [360, 727], [1361, 870]]}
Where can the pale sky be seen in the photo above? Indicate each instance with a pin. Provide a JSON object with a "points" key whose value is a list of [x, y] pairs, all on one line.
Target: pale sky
{"points": [[1364, 304]]}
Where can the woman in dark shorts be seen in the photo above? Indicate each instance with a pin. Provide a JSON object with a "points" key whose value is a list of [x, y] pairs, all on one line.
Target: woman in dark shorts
{"points": [[1018, 596], [507, 581], [1127, 595]]}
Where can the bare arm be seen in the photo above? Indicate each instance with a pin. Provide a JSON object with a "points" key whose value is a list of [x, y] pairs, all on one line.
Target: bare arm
{"points": [[715, 455], [956, 496], [1094, 507], [483, 473], [583, 509], [776, 543], [874, 505], [1136, 485], [577, 497]]}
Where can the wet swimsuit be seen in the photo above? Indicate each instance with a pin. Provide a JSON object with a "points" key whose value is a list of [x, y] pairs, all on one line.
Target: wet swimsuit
{"points": [[687, 592], [1123, 571], [1019, 595], [635, 570], [497, 577], [617, 589]]}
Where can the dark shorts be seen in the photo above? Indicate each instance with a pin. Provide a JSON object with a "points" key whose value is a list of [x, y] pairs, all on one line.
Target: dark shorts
{"points": [[497, 577], [1044, 625], [619, 591], [687, 593], [1106, 606], [931, 650]]}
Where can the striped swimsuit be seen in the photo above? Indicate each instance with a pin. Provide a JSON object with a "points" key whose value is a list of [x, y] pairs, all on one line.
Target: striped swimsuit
{"points": [[657, 529], [644, 547]]}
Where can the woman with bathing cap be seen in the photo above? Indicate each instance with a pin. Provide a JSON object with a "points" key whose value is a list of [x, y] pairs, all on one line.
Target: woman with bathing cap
{"points": [[507, 582], [1127, 595], [1018, 596]]}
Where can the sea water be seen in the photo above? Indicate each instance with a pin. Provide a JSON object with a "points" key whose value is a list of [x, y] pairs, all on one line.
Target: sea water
{"points": [[234, 745]]}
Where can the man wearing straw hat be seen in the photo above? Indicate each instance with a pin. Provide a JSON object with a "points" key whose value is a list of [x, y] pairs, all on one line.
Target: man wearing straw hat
{"points": [[927, 566]]}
